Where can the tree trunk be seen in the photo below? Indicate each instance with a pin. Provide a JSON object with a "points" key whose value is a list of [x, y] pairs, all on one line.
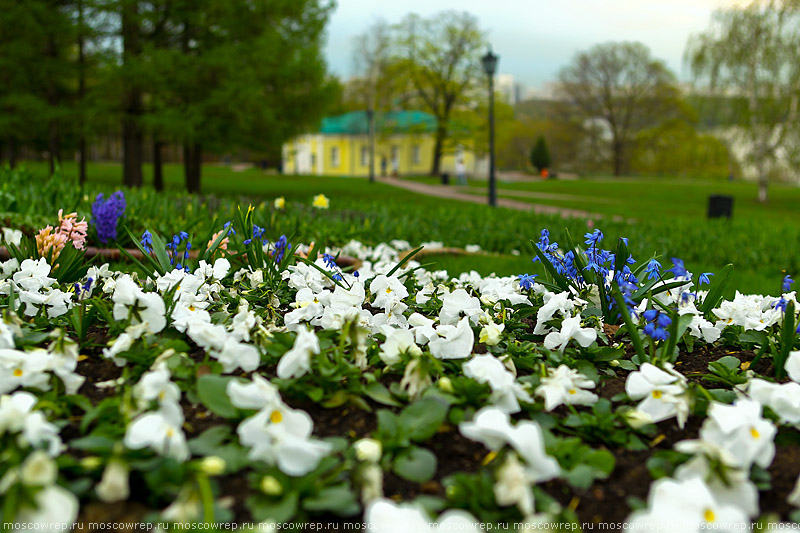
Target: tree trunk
{"points": [[81, 98], [158, 177], [618, 157], [12, 152], [132, 137], [53, 147], [763, 181], [192, 164], [438, 146]]}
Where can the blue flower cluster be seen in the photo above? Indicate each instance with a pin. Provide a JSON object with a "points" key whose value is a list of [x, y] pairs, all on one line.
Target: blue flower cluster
{"points": [[258, 235], [86, 287], [787, 283], [147, 241], [281, 246], [657, 324], [106, 214], [526, 281], [172, 247], [330, 262], [564, 264]]}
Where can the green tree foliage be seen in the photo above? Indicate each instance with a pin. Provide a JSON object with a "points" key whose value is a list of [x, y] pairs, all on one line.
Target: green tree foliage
{"points": [[675, 148], [540, 155], [440, 56], [213, 75], [618, 90], [751, 52]]}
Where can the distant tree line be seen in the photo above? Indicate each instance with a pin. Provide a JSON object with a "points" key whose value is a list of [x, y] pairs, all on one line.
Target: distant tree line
{"points": [[211, 76]]}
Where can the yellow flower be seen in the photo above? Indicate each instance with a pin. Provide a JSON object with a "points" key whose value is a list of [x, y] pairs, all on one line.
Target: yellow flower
{"points": [[279, 203], [321, 201]]}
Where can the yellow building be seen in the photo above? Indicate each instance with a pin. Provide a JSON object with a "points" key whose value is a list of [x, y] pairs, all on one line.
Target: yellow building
{"points": [[404, 145]]}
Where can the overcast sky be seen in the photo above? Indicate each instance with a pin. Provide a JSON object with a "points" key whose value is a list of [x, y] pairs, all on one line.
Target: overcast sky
{"points": [[535, 38]]}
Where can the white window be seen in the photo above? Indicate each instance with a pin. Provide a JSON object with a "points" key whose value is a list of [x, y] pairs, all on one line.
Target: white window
{"points": [[334, 156], [416, 156], [364, 156]]}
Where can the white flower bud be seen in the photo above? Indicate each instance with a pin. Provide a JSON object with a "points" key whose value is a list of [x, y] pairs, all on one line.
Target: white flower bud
{"points": [[271, 486], [39, 469], [213, 465], [369, 450], [113, 487], [445, 384]]}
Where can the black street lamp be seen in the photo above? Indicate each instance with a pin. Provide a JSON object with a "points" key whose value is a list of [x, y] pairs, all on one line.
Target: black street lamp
{"points": [[489, 67]]}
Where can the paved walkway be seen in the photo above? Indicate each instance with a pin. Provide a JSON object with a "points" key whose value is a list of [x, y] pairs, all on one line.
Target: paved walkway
{"points": [[453, 193]]}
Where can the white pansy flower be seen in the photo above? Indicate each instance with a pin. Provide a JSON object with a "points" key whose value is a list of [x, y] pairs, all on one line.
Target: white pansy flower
{"points": [[553, 304], [565, 386], [685, 505], [457, 304], [491, 334], [454, 342], [38, 469], [282, 436], [387, 290], [390, 517], [398, 341], [570, 329], [663, 393], [740, 429], [156, 385], [24, 369], [53, 505], [159, 430], [235, 354], [513, 486], [506, 392], [297, 361], [792, 366], [784, 398], [257, 394]]}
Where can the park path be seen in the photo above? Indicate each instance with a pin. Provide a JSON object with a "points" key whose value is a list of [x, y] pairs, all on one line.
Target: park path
{"points": [[453, 193]]}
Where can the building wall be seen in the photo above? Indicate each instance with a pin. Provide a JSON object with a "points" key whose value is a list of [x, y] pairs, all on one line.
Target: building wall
{"points": [[348, 155]]}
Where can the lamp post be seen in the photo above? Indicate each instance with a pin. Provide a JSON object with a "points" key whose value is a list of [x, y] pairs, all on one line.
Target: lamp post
{"points": [[489, 62]]}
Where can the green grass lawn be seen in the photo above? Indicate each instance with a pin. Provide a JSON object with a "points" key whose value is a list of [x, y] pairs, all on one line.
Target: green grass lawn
{"points": [[643, 198], [671, 216], [253, 182]]}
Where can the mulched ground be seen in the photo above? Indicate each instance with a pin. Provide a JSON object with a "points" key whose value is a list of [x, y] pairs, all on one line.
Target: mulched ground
{"points": [[606, 501]]}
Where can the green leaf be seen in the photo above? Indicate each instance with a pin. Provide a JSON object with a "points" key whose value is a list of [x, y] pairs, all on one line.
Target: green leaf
{"points": [[415, 464], [264, 509], [339, 499], [788, 334], [378, 392], [213, 392], [717, 289], [420, 420], [405, 260], [730, 362], [558, 279]]}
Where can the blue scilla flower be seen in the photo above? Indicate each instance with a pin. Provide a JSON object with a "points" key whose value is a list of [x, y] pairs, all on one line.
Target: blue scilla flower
{"points": [[593, 238], [526, 281], [247, 241], [657, 324], [787, 283], [781, 304], [147, 241], [337, 276], [329, 260], [258, 231], [356, 274], [106, 214], [704, 278], [677, 267], [281, 245], [653, 269], [228, 226]]}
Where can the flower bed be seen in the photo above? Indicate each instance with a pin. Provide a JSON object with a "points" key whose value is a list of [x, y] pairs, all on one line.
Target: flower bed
{"points": [[248, 379]]}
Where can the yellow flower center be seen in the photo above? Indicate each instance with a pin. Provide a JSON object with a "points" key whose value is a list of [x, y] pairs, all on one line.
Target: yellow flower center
{"points": [[388, 290], [275, 417], [170, 432], [708, 515], [657, 394], [315, 300], [191, 308], [18, 373], [572, 391], [754, 432]]}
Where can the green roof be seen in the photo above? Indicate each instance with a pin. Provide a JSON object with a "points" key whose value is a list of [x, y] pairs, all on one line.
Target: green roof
{"points": [[356, 123]]}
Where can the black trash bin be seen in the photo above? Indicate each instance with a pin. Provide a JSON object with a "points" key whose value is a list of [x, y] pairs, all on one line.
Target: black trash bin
{"points": [[720, 205], [445, 178]]}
